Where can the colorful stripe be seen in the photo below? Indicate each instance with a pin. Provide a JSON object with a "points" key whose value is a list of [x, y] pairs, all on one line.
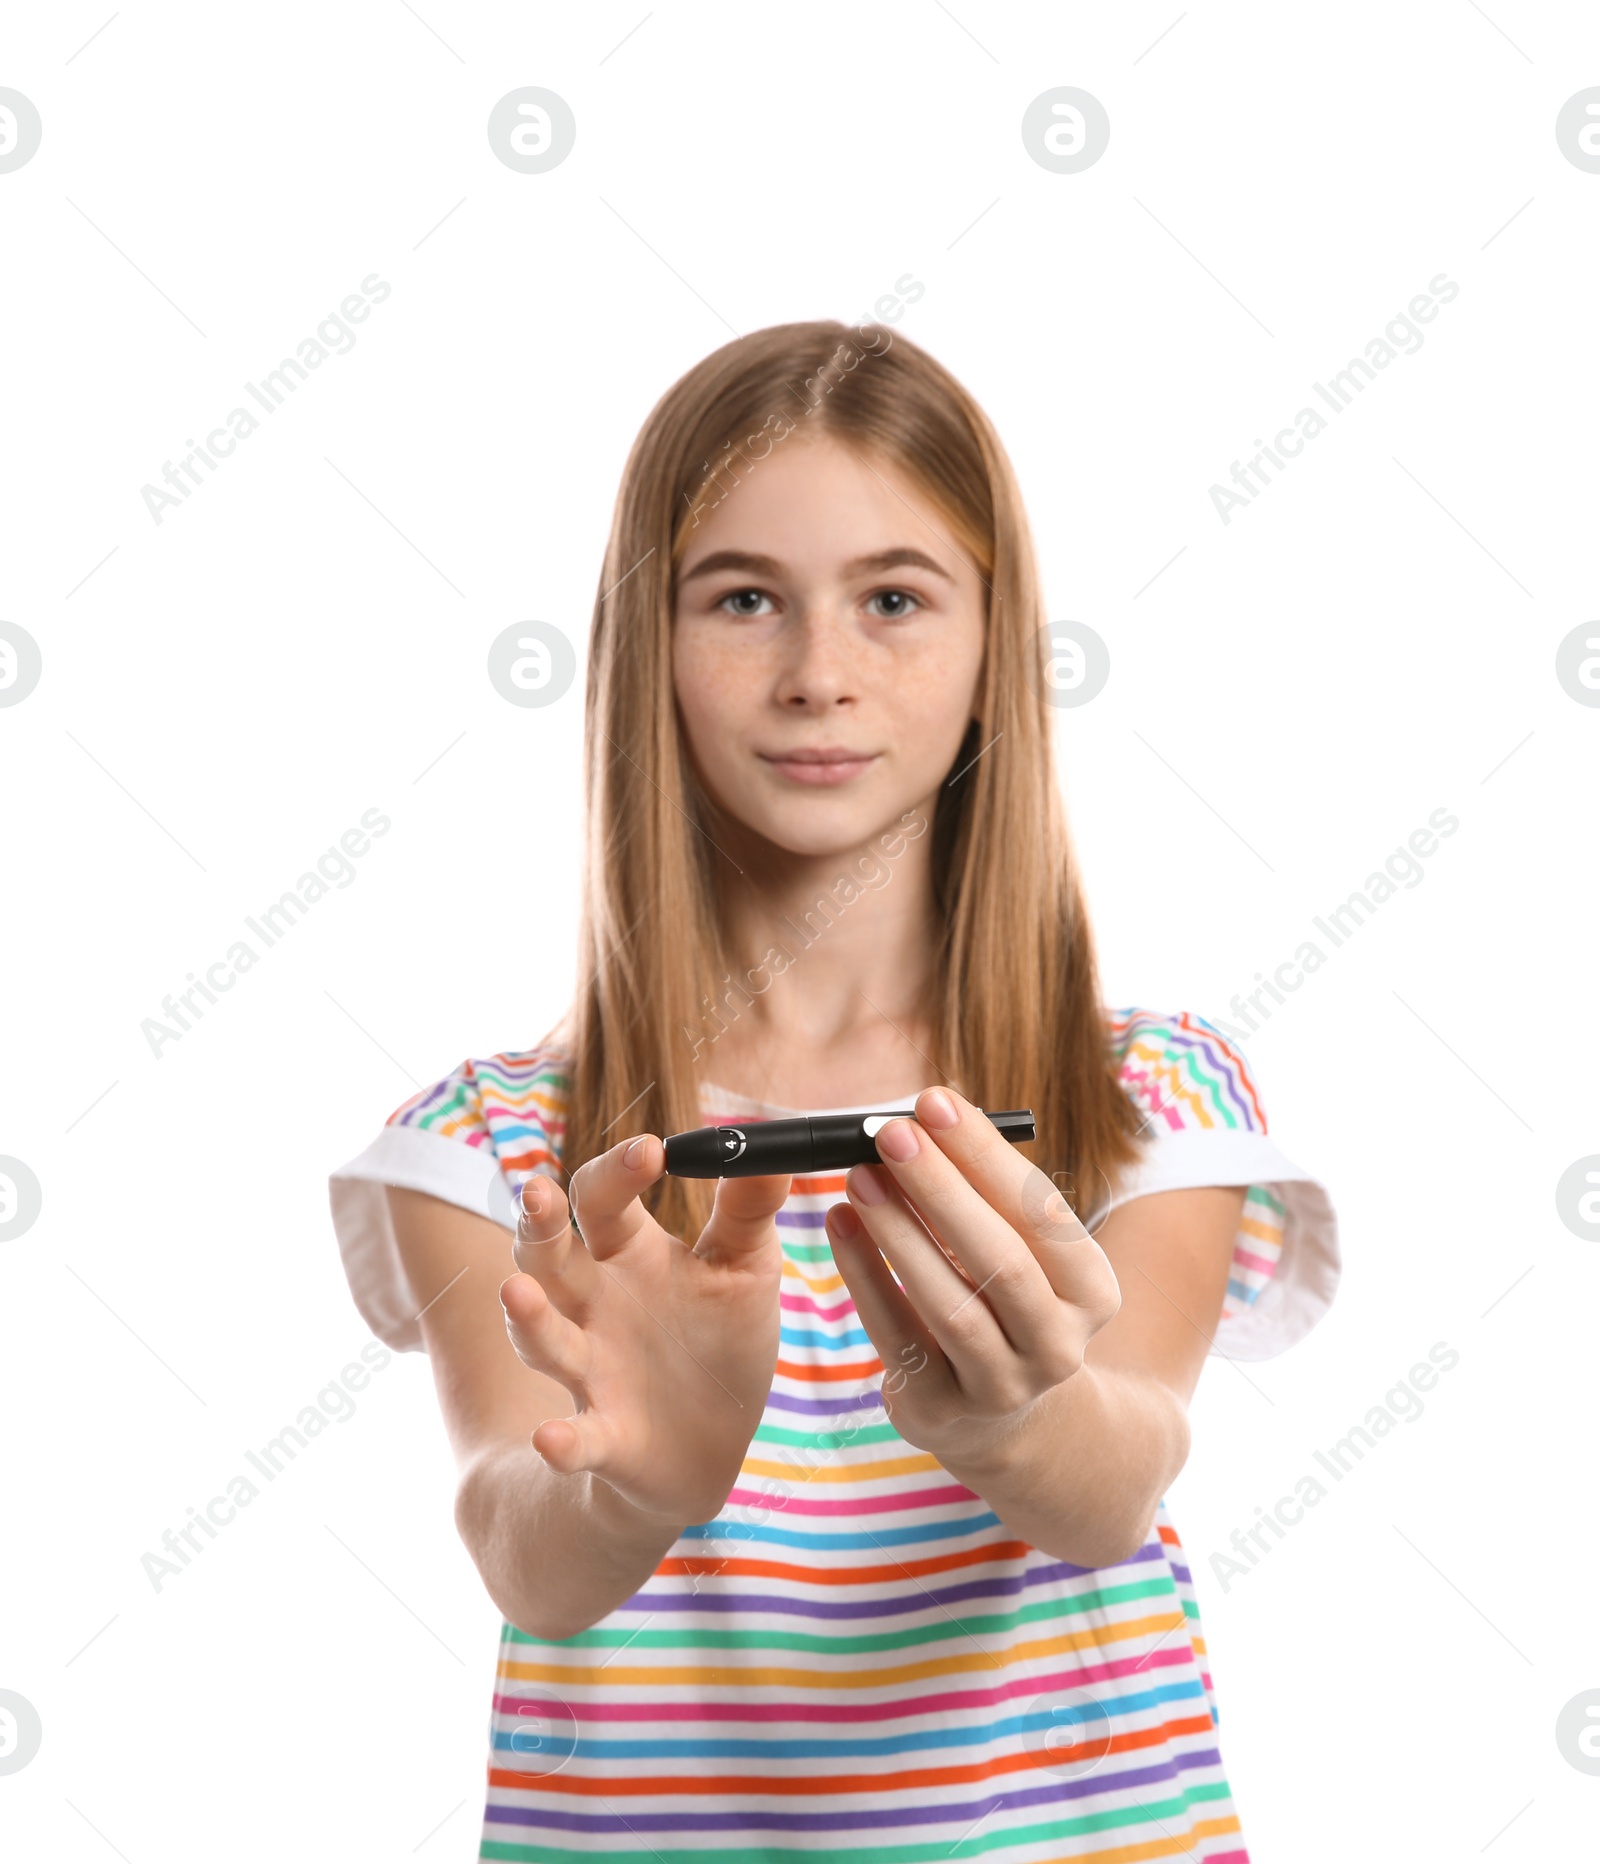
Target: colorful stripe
{"points": [[1184, 1074], [855, 1657]]}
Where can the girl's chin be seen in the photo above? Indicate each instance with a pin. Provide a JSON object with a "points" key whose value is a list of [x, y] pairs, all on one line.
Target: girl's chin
{"points": [[798, 834]]}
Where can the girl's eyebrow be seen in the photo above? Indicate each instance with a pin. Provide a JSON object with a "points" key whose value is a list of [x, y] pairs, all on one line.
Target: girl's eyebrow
{"points": [[901, 557]]}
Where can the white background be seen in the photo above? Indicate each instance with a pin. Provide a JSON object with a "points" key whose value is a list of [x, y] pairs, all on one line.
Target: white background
{"points": [[224, 693]]}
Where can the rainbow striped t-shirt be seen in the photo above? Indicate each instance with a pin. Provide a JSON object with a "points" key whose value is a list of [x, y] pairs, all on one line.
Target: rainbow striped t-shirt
{"points": [[855, 1658]]}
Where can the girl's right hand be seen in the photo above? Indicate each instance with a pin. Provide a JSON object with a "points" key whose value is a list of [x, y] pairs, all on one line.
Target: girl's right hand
{"points": [[667, 1351]]}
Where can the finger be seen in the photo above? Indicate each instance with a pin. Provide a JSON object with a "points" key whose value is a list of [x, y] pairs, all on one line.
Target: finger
{"points": [[903, 1343], [547, 1246], [991, 1251], [980, 1206], [1011, 1184], [546, 1341], [571, 1445], [742, 1219], [542, 1337], [949, 1305], [544, 1231], [574, 1444], [605, 1194]]}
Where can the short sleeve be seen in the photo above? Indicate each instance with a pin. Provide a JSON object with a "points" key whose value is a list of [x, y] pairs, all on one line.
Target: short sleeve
{"points": [[1204, 1124], [470, 1139]]}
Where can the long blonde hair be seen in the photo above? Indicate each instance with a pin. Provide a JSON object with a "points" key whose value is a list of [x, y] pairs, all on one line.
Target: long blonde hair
{"points": [[1015, 998]]}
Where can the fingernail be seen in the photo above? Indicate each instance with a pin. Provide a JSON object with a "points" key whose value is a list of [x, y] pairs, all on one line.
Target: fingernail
{"points": [[898, 1140], [844, 1222], [533, 1197], [864, 1183], [937, 1110], [631, 1152]]}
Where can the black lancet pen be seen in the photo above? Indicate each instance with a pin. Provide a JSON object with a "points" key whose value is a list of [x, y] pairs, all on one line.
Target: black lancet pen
{"points": [[827, 1142]]}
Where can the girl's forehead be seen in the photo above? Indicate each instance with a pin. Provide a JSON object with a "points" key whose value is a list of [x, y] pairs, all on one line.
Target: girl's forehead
{"points": [[828, 507]]}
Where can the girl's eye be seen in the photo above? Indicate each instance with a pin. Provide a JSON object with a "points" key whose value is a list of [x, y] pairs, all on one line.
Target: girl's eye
{"points": [[902, 597], [747, 603], [738, 597]]}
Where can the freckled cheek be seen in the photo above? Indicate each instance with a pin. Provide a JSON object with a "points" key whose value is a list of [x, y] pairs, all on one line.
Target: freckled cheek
{"points": [[936, 685], [715, 695]]}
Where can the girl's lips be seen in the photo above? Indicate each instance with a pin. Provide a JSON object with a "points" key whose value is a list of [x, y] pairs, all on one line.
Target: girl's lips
{"points": [[821, 775]]}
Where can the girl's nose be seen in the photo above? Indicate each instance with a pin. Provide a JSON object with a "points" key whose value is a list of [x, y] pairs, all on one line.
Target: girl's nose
{"points": [[820, 664]]}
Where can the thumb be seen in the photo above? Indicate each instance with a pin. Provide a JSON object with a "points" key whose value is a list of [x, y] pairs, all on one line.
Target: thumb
{"points": [[741, 1223]]}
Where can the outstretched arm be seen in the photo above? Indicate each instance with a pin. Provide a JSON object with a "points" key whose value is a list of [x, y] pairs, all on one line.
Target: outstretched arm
{"points": [[602, 1397], [1049, 1371], [555, 1552]]}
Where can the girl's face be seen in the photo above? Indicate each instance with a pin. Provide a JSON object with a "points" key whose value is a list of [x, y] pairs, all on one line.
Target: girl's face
{"points": [[828, 636]]}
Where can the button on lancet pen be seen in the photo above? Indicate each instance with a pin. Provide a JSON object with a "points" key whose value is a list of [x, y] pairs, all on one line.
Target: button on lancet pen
{"points": [[821, 1142]]}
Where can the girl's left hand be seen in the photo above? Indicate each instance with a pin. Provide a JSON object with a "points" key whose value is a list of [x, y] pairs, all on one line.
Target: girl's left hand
{"points": [[982, 1327]]}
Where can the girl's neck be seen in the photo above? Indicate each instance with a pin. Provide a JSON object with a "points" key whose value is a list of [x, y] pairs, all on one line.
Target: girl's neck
{"points": [[831, 998]]}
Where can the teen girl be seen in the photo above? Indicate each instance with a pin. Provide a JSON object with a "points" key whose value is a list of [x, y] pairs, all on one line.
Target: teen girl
{"points": [[826, 1516]]}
